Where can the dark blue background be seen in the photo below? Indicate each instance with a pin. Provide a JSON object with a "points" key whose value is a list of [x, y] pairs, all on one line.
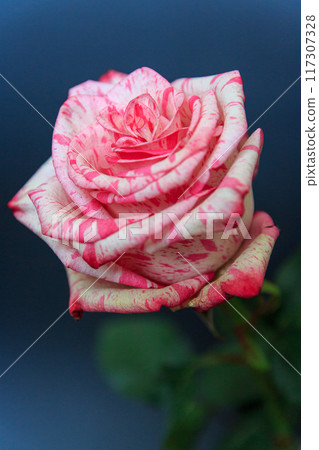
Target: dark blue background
{"points": [[54, 397]]}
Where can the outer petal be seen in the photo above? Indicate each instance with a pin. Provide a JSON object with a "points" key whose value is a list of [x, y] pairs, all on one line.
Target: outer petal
{"points": [[229, 196], [112, 77], [244, 275], [26, 213], [91, 294], [61, 219], [90, 87], [200, 85], [101, 87]]}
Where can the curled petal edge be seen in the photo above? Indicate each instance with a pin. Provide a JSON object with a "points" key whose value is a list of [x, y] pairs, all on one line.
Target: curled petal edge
{"points": [[243, 276], [95, 295]]}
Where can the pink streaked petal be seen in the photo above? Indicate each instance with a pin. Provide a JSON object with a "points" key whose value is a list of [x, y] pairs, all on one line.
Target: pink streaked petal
{"points": [[230, 95], [193, 111], [171, 103], [141, 116], [200, 85], [139, 188], [76, 114], [229, 92], [21, 203], [207, 251], [103, 186], [87, 161], [161, 146], [112, 120], [195, 85], [167, 266], [112, 77], [141, 81], [204, 116], [170, 185], [90, 87], [93, 295], [229, 196], [26, 213], [61, 219], [244, 275], [108, 249]]}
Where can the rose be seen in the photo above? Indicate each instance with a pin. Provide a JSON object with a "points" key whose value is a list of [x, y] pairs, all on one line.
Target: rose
{"points": [[139, 148]]}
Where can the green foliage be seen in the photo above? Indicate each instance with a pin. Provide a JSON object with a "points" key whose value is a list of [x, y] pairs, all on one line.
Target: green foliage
{"points": [[132, 350], [227, 385], [288, 278], [271, 289], [187, 414], [251, 432], [289, 329], [185, 425], [287, 381]]}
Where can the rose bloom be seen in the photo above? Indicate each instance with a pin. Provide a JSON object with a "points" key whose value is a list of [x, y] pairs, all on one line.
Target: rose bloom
{"points": [[139, 147]]}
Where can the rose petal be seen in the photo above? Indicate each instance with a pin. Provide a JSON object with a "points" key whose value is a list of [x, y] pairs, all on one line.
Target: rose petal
{"points": [[141, 116], [113, 77], [231, 195], [229, 92], [60, 218], [228, 198], [141, 81], [90, 87], [108, 249], [90, 294], [25, 212], [244, 275], [75, 114]]}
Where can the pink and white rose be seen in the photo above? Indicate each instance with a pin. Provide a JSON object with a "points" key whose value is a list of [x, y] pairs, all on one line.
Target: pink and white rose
{"points": [[139, 147]]}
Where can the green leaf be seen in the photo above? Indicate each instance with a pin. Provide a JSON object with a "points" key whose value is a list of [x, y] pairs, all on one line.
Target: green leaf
{"points": [[185, 426], [132, 350], [269, 299], [287, 380], [225, 384], [230, 314], [288, 278], [253, 352], [270, 288], [187, 414], [251, 432], [288, 339]]}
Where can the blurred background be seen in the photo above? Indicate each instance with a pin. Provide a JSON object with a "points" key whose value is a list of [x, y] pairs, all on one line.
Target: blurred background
{"points": [[55, 396]]}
